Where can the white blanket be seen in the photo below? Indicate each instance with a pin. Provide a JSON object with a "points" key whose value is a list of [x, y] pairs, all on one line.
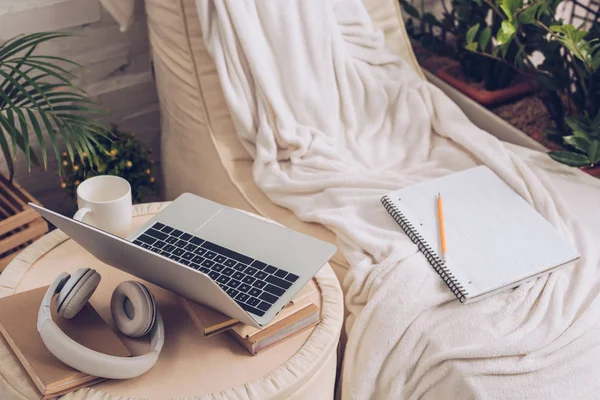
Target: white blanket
{"points": [[334, 121]]}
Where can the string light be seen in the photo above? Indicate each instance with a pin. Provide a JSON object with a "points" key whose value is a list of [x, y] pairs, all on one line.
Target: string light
{"points": [[123, 156]]}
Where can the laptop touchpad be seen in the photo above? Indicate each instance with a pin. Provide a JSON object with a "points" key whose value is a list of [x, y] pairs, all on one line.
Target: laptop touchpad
{"points": [[264, 241], [245, 234], [189, 212]]}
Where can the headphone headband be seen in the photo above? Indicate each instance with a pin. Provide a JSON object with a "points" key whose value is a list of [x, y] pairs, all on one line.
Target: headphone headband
{"points": [[87, 360], [45, 312]]}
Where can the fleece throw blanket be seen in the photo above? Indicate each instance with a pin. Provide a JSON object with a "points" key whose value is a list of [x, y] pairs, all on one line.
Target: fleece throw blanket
{"points": [[334, 121]]}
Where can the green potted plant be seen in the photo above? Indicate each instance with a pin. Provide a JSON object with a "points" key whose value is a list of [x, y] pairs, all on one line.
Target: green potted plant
{"points": [[39, 102], [568, 78], [582, 146], [486, 80], [119, 153]]}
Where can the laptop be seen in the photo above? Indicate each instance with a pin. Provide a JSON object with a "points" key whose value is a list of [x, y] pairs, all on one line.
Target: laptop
{"points": [[233, 262]]}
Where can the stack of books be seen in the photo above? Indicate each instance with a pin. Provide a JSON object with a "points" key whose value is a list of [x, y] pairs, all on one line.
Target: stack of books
{"points": [[303, 312]]}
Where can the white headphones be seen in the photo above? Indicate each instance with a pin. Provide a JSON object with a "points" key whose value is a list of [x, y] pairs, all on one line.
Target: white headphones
{"points": [[133, 310]]}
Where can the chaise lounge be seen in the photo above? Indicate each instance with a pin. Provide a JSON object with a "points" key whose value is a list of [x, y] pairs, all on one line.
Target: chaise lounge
{"points": [[538, 341]]}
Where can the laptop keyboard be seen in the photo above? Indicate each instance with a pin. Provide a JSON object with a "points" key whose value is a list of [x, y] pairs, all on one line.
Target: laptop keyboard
{"points": [[253, 284]]}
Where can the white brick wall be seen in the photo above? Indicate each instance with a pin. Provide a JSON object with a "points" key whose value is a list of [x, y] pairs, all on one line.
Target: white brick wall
{"points": [[117, 74]]}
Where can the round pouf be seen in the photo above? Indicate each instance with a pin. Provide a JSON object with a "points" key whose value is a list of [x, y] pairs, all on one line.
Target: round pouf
{"points": [[190, 366]]}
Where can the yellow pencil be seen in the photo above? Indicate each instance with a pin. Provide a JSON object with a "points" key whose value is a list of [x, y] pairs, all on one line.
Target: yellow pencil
{"points": [[441, 222]]}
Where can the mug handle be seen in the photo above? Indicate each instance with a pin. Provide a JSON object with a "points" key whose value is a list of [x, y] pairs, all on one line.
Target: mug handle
{"points": [[81, 213]]}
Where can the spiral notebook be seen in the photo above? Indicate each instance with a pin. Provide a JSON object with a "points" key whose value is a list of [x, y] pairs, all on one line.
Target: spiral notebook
{"points": [[495, 239]]}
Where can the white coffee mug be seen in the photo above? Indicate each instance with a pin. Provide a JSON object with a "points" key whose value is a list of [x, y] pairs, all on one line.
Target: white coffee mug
{"points": [[104, 202]]}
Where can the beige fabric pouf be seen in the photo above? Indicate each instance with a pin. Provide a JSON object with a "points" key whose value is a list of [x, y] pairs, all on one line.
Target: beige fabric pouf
{"points": [[190, 366]]}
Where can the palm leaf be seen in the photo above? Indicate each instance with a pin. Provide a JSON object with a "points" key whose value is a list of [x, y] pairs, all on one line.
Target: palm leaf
{"points": [[57, 98], [7, 85], [52, 136], [37, 89], [17, 138], [78, 140], [60, 127], [23, 125], [59, 59], [21, 99], [35, 126], [13, 132], [4, 145], [23, 42], [86, 144], [48, 68], [39, 103], [15, 83]]}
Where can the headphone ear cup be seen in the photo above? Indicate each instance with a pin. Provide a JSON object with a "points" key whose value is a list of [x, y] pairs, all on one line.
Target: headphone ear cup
{"points": [[77, 291], [133, 309]]}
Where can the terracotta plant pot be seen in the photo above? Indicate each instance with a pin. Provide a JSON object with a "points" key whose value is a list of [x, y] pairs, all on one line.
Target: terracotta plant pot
{"points": [[549, 144], [520, 87], [593, 171]]}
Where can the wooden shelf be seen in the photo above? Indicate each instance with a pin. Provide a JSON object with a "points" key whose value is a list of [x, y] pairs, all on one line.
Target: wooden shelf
{"points": [[20, 225]]}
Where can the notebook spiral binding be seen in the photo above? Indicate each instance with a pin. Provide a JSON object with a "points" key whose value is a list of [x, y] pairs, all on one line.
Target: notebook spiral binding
{"points": [[437, 263]]}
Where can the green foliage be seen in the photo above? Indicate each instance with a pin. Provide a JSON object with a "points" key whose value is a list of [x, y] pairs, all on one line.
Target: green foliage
{"points": [[510, 7], [425, 30], [570, 70], [583, 145], [120, 154], [484, 38], [37, 96], [506, 34], [410, 9], [574, 40], [458, 20], [470, 36], [570, 158]]}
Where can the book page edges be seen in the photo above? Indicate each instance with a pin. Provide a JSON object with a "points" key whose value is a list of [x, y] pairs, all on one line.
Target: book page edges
{"points": [[211, 322], [301, 321], [520, 282], [198, 312]]}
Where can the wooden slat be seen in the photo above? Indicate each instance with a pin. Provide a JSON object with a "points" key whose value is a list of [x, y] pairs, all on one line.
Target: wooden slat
{"points": [[6, 260], [15, 191], [4, 213], [9, 199], [27, 197], [9, 195], [35, 229], [18, 220], [10, 206]]}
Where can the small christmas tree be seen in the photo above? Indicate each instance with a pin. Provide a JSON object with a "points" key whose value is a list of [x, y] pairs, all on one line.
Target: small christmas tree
{"points": [[120, 154]]}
